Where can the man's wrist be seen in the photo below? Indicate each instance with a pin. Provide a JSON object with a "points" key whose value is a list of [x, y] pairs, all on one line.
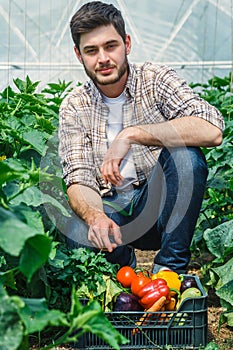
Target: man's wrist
{"points": [[92, 215], [128, 134]]}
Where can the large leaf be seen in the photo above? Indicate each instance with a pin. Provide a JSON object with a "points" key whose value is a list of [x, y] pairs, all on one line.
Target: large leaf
{"points": [[91, 318], [11, 327], [35, 253], [14, 231], [13, 234], [225, 273], [32, 217], [225, 293], [219, 240], [36, 316], [33, 196], [37, 140]]}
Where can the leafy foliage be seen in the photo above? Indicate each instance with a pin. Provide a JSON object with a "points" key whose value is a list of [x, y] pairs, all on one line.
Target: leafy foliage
{"points": [[214, 231], [90, 272], [38, 277]]}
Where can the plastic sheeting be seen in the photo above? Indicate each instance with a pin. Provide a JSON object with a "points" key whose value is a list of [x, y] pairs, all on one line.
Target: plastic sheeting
{"points": [[192, 36]]}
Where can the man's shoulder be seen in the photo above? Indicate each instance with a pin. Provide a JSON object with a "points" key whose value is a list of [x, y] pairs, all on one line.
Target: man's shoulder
{"points": [[148, 76], [149, 68]]}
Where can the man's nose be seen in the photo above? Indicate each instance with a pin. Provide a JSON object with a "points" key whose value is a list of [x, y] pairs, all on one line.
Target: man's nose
{"points": [[103, 56]]}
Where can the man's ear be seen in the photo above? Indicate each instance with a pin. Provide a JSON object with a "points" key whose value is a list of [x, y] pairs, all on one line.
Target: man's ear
{"points": [[77, 53], [128, 44]]}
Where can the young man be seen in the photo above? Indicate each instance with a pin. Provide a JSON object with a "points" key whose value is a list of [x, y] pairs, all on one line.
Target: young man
{"points": [[129, 145]]}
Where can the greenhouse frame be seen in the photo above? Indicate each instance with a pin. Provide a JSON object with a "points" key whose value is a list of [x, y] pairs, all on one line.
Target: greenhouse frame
{"points": [[192, 36]]}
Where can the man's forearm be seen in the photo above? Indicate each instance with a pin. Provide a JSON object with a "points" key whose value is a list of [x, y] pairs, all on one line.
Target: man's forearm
{"points": [[88, 205], [186, 131], [85, 202]]}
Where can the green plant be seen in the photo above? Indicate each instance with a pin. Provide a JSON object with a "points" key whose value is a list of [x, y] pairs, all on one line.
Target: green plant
{"points": [[21, 317], [91, 273], [33, 206], [214, 231]]}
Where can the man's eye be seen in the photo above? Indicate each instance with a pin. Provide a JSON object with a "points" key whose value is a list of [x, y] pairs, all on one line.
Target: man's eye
{"points": [[111, 46], [90, 51]]}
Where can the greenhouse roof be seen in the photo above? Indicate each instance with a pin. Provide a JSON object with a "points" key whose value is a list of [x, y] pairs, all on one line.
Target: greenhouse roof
{"points": [[193, 36]]}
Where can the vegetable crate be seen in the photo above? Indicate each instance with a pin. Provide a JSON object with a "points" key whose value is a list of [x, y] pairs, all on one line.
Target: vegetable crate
{"points": [[185, 328]]}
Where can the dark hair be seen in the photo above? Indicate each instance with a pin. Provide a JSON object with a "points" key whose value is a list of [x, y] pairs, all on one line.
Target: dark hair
{"points": [[94, 14]]}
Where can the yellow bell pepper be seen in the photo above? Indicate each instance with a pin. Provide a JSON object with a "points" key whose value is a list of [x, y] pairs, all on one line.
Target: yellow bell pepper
{"points": [[171, 277]]}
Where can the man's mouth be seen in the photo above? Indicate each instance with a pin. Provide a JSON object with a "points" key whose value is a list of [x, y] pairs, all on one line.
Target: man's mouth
{"points": [[106, 69]]}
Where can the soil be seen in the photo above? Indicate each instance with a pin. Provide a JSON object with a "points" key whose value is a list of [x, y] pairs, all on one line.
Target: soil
{"points": [[223, 337]]}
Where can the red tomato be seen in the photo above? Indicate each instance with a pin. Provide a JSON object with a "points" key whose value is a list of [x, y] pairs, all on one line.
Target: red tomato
{"points": [[125, 276], [138, 282]]}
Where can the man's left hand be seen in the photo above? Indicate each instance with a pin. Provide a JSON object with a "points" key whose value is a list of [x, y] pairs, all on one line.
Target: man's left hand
{"points": [[110, 168]]}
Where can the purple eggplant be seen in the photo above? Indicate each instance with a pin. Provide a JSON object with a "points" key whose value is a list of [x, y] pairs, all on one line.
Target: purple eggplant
{"points": [[127, 302], [188, 282]]}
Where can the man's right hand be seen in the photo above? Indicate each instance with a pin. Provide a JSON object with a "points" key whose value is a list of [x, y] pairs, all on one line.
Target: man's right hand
{"points": [[100, 231], [87, 203]]}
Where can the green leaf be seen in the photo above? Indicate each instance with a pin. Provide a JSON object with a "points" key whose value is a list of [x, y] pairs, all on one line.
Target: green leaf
{"points": [[33, 196], [11, 327], [45, 124], [13, 122], [8, 279], [226, 317], [37, 140], [112, 290], [212, 346], [35, 253], [18, 231], [224, 272], [12, 169], [26, 86], [220, 239], [33, 218], [226, 292], [92, 319], [36, 316]]}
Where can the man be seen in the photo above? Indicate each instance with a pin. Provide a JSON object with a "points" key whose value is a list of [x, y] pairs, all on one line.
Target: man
{"points": [[130, 141]]}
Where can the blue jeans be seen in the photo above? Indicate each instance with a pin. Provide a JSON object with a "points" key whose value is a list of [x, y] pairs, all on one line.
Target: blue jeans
{"points": [[160, 214]]}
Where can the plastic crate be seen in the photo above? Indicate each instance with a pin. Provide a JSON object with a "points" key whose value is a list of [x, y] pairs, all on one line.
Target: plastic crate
{"points": [[185, 328]]}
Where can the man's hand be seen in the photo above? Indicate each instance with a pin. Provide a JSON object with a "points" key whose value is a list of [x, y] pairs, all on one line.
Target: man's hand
{"points": [[88, 204], [110, 168], [101, 228]]}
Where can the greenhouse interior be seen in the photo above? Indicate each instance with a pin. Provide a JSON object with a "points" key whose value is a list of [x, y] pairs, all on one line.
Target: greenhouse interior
{"points": [[192, 36], [55, 297]]}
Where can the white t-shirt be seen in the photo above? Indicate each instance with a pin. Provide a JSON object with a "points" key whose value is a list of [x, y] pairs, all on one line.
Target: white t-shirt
{"points": [[115, 125]]}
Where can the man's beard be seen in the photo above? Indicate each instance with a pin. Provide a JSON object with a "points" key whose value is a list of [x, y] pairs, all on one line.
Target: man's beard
{"points": [[123, 68]]}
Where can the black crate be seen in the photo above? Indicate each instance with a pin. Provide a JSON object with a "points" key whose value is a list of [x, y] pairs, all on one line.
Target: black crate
{"points": [[185, 328]]}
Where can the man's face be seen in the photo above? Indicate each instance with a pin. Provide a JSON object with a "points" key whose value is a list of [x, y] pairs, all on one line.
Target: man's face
{"points": [[104, 55]]}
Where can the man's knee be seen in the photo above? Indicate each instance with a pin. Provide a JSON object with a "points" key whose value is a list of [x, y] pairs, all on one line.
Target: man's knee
{"points": [[185, 161]]}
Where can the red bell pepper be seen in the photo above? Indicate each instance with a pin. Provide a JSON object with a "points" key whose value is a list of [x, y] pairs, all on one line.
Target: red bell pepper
{"points": [[151, 286], [152, 292]]}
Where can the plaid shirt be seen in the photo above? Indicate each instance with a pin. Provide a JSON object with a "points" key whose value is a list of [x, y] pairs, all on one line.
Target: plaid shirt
{"points": [[154, 94]]}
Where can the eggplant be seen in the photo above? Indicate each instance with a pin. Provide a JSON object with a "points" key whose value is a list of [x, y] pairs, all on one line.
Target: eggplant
{"points": [[127, 302], [188, 282]]}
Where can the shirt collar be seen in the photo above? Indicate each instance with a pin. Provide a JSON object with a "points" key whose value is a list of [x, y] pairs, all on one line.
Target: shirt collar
{"points": [[92, 89], [131, 81]]}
